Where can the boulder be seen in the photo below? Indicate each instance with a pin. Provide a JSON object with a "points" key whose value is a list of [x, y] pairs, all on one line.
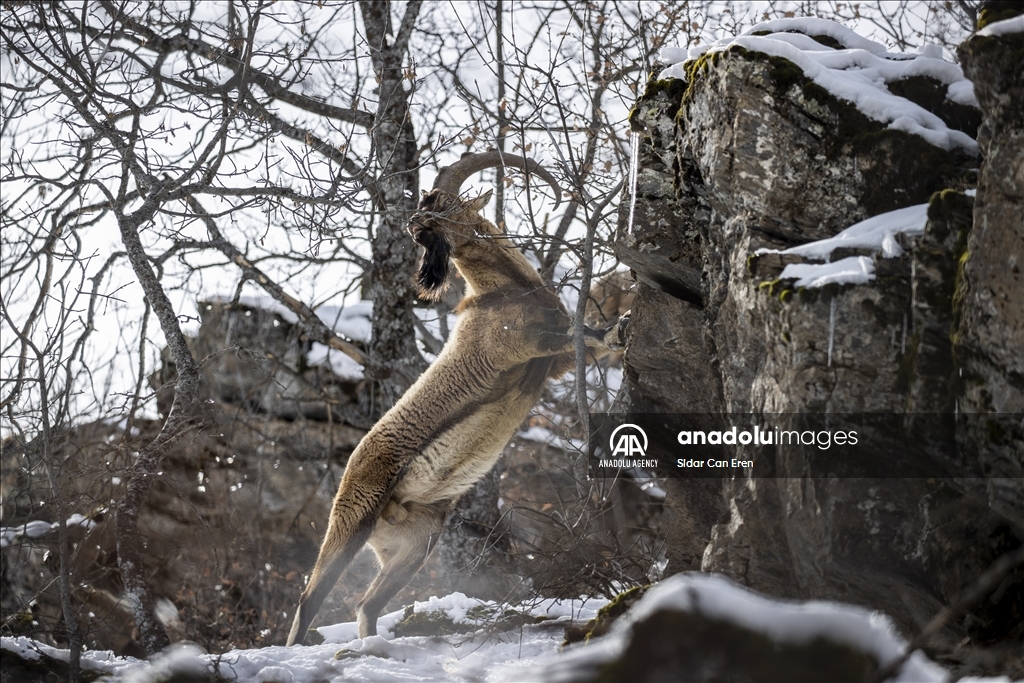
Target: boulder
{"points": [[745, 165]]}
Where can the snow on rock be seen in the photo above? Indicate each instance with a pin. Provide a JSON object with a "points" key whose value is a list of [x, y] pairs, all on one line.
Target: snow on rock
{"points": [[99, 661], [1004, 27], [812, 26], [858, 73], [527, 653], [962, 92], [854, 270], [120, 423], [37, 528], [351, 321], [261, 302], [876, 234], [340, 364], [716, 597]]}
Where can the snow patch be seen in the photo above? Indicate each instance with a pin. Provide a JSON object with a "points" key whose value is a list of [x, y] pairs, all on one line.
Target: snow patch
{"points": [[473, 656], [541, 435], [529, 653], [120, 423], [351, 320], [182, 661], [812, 26], [876, 234], [858, 73]]}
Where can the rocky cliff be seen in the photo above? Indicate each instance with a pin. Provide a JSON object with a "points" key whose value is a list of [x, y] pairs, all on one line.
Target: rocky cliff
{"points": [[236, 513], [754, 154]]}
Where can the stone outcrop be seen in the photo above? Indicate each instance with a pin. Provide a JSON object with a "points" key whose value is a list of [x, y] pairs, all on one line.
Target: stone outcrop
{"points": [[236, 514], [695, 627], [990, 329], [749, 154]]}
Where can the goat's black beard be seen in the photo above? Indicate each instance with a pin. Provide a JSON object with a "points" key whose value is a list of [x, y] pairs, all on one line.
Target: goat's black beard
{"points": [[435, 268]]}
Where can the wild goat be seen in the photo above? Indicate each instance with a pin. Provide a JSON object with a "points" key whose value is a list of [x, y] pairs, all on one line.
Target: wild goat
{"points": [[449, 428]]}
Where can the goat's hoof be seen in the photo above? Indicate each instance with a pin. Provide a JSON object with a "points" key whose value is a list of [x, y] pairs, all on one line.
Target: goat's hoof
{"points": [[616, 334]]}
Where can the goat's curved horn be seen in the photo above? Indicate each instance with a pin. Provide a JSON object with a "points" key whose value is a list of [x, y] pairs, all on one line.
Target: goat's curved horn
{"points": [[451, 178]]}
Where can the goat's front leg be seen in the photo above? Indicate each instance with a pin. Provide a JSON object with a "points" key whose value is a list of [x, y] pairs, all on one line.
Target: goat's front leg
{"points": [[551, 340]]}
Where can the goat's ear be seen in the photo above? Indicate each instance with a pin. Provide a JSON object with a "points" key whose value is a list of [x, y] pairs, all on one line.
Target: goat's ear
{"points": [[481, 201]]}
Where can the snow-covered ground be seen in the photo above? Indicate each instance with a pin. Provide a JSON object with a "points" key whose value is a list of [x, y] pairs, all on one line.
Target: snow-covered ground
{"points": [[478, 655], [525, 653]]}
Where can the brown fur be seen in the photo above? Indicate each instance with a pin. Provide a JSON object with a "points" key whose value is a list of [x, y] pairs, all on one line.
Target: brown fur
{"points": [[450, 427]]}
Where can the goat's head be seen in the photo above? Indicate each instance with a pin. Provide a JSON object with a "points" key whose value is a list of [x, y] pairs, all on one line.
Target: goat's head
{"points": [[445, 224]]}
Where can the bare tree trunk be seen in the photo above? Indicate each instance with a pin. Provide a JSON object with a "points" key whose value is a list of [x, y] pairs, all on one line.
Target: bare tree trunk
{"points": [[147, 462], [499, 55], [394, 359], [53, 471]]}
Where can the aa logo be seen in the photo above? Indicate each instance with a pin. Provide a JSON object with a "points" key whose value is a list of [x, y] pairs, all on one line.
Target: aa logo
{"points": [[628, 441]]}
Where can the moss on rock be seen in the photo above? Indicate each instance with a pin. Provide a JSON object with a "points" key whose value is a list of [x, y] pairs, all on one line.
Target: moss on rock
{"points": [[953, 210], [960, 290], [432, 623], [660, 91], [606, 616], [998, 10], [493, 618]]}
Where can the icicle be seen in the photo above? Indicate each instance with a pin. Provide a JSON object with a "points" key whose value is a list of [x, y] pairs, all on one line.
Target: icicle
{"points": [[634, 162], [831, 329]]}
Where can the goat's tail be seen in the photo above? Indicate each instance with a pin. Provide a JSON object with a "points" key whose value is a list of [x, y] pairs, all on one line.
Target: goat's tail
{"points": [[365, 490]]}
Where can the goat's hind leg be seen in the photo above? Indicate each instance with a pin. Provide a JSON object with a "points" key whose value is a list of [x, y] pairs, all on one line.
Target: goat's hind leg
{"points": [[340, 546], [364, 493], [401, 549]]}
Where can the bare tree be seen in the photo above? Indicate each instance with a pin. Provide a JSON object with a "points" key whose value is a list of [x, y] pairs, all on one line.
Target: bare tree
{"points": [[165, 121]]}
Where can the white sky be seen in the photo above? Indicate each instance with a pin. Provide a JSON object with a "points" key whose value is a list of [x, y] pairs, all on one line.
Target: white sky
{"points": [[109, 360]]}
